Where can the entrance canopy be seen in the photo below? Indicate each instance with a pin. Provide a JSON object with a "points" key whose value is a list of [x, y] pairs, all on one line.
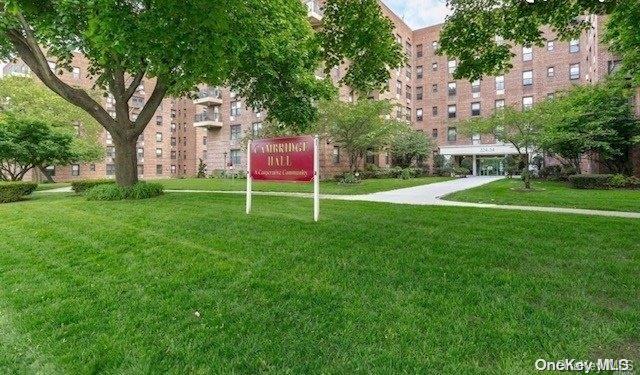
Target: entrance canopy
{"points": [[478, 150]]}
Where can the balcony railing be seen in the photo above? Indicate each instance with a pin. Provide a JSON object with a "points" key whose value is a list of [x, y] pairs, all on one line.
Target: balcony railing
{"points": [[210, 93], [209, 97], [207, 117]]}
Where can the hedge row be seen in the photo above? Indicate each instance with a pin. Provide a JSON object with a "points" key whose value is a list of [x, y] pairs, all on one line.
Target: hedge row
{"points": [[603, 181], [81, 186], [15, 191], [113, 192]]}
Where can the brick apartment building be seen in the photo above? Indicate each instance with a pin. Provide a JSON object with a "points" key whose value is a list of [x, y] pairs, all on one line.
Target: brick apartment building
{"points": [[211, 127]]}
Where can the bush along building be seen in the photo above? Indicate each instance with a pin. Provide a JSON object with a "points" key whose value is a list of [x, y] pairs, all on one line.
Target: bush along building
{"points": [[209, 130]]}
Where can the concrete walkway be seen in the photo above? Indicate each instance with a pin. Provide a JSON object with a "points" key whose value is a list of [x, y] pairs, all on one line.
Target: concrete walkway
{"points": [[423, 195]]}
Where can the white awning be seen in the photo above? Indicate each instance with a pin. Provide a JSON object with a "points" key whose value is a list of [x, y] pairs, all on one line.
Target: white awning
{"points": [[494, 149]]}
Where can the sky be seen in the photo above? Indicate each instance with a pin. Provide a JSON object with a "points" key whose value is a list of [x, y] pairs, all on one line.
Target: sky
{"points": [[419, 13]]}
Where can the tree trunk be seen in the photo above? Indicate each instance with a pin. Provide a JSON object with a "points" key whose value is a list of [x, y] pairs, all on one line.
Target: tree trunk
{"points": [[126, 160], [46, 174]]}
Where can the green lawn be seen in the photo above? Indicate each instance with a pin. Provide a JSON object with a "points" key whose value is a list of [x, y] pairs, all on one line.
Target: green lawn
{"points": [[326, 187], [552, 194], [51, 186], [372, 288]]}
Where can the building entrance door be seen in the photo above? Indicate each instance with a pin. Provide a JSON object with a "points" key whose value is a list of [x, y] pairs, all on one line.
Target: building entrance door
{"points": [[491, 166]]}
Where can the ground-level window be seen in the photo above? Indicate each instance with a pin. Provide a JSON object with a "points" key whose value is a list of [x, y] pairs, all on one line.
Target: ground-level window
{"points": [[75, 170], [452, 134], [235, 132], [234, 157], [173, 169], [574, 71], [475, 109], [140, 170], [434, 133], [527, 102], [336, 155], [159, 169], [111, 169]]}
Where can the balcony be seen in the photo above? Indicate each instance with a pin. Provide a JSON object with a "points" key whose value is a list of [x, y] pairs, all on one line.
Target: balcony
{"points": [[315, 12], [207, 120], [209, 97]]}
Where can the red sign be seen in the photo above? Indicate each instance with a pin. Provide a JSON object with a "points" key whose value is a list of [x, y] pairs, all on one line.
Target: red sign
{"points": [[282, 159]]}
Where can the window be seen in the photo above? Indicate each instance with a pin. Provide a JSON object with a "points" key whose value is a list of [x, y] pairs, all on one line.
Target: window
{"points": [[140, 169], [159, 120], [419, 92], [140, 152], [111, 152], [527, 53], [76, 72], [475, 88], [419, 50], [235, 108], [111, 169], [434, 111], [500, 85], [527, 102], [173, 169], [451, 109], [452, 64], [159, 169], [574, 71], [173, 141], [551, 72], [158, 137], [434, 87], [234, 157], [408, 72], [408, 113], [335, 156], [434, 44], [419, 114], [419, 72], [399, 87], [256, 128], [92, 167], [475, 109], [527, 78], [499, 104], [551, 95], [451, 89], [408, 92], [434, 133], [574, 46], [551, 45], [158, 152], [204, 141], [173, 154], [434, 66], [235, 132], [75, 170], [452, 134]]}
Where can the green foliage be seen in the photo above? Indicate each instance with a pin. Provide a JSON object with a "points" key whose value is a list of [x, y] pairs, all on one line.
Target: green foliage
{"points": [[591, 181], [469, 34], [358, 32], [26, 144], [80, 186], [441, 166], [512, 165], [25, 99], [595, 119], [202, 167], [113, 192], [358, 127], [409, 147], [557, 172], [15, 191], [349, 178]]}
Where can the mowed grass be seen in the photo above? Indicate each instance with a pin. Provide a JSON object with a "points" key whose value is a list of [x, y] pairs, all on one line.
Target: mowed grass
{"points": [[552, 194], [372, 288], [51, 186], [326, 187]]}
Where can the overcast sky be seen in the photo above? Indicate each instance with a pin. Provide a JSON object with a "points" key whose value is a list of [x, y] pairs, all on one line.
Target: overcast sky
{"points": [[419, 13]]}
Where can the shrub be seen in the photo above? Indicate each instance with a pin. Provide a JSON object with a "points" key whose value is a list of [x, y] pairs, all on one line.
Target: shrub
{"points": [[81, 186], [557, 172], [618, 181], [461, 171], [441, 166], [113, 192], [349, 178], [591, 181], [15, 191]]}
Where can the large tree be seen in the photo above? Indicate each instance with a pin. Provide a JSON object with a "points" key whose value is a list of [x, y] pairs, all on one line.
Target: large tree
{"points": [[409, 147], [25, 99], [480, 34], [358, 127], [265, 50], [596, 119]]}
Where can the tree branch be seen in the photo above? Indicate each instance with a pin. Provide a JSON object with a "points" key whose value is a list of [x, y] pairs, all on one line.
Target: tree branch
{"points": [[150, 106], [30, 52], [134, 84]]}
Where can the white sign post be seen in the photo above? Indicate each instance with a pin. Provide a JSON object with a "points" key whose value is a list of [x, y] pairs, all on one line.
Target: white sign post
{"points": [[249, 177], [316, 180]]}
